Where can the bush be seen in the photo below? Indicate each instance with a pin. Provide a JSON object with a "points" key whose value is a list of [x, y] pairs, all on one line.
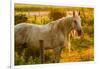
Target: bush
{"points": [[57, 13], [20, 18]]}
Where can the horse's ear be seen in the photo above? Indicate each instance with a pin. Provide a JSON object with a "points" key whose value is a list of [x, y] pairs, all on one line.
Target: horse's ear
{"points": [[79, 13], [73, 13]]}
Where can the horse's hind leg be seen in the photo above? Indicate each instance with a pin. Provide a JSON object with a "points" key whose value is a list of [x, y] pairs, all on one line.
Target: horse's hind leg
{"points": [[20, 49], [57, 52], [27, 54]]}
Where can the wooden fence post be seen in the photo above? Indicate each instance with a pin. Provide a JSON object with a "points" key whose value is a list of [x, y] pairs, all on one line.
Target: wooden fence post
{"points": [[41, 51]]}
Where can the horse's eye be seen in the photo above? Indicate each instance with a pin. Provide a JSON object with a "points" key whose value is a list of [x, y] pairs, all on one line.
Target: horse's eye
{"points": [[75, 21]]}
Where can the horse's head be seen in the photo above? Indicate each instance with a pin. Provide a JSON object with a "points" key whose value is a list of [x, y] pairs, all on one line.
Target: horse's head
{"points": [[76, 23]]}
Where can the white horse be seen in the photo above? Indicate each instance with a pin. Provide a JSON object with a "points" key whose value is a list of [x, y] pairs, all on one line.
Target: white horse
{"points": [[55, 35]]}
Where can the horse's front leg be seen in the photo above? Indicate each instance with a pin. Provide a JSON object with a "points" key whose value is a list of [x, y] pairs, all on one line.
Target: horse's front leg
{"points": [[57, 52], [67, 44]]}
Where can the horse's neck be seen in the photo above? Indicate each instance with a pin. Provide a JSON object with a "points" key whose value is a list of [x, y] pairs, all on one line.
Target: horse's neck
{"points": [[64, 25]]}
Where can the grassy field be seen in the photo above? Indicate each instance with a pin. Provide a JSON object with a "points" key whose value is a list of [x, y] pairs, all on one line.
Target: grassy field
{"points": [[81, 50]]}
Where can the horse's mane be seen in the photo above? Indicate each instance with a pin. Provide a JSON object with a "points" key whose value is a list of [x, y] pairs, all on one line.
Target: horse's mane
{"points": [[62, 23]]}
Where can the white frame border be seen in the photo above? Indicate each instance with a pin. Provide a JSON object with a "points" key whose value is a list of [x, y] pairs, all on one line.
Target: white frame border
{"points": [[42, 65]]}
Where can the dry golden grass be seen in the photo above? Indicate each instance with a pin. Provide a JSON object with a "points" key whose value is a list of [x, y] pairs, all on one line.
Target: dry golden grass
{"points": [[76, 56]]}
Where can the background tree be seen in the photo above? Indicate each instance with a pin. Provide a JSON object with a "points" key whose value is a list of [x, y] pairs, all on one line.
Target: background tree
{"points": [[57, 14]]}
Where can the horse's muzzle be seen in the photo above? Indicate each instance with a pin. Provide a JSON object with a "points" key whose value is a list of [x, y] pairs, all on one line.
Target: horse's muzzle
{"points": [[80, 32]]}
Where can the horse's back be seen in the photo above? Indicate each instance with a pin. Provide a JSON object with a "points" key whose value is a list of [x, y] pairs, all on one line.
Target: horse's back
{"points": [[21, 32], [29, 33]]}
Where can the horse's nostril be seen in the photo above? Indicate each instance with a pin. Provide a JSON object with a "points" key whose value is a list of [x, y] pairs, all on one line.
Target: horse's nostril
{"points": [[79, 32]]}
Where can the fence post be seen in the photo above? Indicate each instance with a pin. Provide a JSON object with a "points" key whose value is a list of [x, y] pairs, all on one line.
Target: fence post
{"points": [[41, 51]]}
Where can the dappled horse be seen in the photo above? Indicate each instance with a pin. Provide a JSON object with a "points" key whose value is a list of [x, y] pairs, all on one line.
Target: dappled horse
{"points": [[55, 35]]}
